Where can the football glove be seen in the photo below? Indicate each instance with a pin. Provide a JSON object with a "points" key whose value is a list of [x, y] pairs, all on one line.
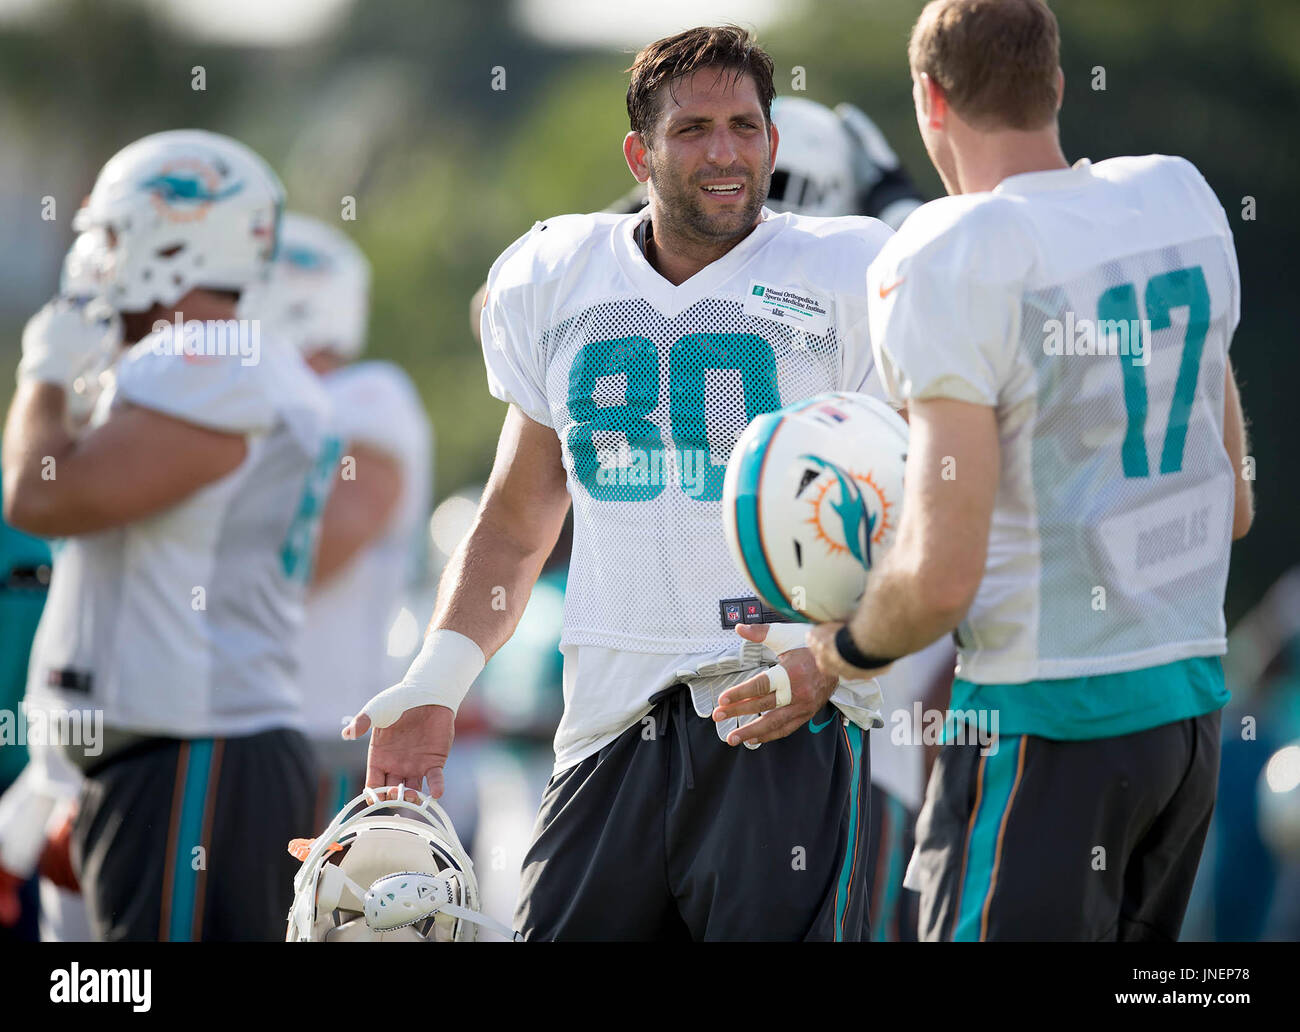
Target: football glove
{"points": [[69, 343]]}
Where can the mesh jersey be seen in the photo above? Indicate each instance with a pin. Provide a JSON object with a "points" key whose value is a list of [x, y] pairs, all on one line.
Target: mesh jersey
{"points": [[1092, 307], [126, 629], [344, 646], [648, 386]]}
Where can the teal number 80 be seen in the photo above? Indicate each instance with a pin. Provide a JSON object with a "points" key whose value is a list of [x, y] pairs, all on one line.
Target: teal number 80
{"points": [[689, 361]]}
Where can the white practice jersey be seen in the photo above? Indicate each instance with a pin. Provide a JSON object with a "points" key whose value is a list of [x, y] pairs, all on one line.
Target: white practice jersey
{"points": [[1093, 308], [648, 385], [185, 623], [344, 646]]}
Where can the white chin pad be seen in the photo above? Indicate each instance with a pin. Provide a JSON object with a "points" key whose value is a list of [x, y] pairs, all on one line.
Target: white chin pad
{"points": [[396, 900]]}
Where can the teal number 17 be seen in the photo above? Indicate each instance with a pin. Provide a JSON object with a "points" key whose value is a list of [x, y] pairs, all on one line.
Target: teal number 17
{"points": [[1177, 289]]}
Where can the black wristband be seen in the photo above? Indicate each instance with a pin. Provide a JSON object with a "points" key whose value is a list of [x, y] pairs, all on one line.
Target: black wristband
{"points": [[852, 655]]}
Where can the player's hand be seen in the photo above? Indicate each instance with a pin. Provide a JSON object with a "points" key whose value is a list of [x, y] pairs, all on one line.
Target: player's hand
{"points": [[68, 339], [408, 751], [809, 691], [821, 642]]}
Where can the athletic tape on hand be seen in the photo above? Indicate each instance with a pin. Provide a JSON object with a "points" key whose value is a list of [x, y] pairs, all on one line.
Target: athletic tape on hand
{"points": [[782, 637], [779, 681], [441, 675]]}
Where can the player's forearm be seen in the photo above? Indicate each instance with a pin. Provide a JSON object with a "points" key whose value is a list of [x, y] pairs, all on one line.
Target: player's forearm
{"points": [[486, 586], [35, 441], [358, 511], [906, 607], [487, 583]]}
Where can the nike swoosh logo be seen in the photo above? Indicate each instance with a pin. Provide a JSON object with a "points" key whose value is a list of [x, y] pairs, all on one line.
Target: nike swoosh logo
{"points": [[815, 727], [885, 291]]}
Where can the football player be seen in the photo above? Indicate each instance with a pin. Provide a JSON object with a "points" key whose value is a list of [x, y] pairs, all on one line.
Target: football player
{"points": [[318, 299], [1059, 334], [633, 350], [36, 810], [189, 504]]}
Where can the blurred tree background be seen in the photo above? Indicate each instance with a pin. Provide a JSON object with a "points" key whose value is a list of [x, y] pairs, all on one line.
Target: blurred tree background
{"points": [[393, 103]]}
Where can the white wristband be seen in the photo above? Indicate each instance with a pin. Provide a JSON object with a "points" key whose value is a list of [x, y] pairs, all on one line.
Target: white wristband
{"points": [[441, 675]]}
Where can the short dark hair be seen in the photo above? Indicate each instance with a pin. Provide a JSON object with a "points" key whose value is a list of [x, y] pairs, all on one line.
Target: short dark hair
{"points": [[996, 60], [665, 61]]}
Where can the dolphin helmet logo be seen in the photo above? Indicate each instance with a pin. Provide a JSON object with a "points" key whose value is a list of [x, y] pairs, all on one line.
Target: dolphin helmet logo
{"points": [[857, 521], [185, 190]]}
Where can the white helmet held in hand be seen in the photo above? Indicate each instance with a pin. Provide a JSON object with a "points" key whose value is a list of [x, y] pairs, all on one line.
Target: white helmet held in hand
{"points": [[386, 870], [182, 209], [318, 293]]}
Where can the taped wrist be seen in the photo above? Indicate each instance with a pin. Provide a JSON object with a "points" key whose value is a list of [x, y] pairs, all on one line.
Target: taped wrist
{"points": [[441, 675]]}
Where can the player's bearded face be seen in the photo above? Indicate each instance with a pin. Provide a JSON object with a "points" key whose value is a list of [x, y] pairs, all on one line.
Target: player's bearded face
{"points": [[710, 160]]}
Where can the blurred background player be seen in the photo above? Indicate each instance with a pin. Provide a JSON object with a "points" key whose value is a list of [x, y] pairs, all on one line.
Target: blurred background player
{"points": [[317, 299], [40, 807], [25, 565], [190, 504], [1068, 513]]}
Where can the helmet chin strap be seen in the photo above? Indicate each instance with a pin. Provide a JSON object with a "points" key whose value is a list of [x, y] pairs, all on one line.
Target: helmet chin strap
{"points": [[452, 910]]}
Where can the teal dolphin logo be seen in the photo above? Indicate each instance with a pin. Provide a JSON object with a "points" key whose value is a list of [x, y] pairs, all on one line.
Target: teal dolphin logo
{"points": [[858, 522], [186, 188]]}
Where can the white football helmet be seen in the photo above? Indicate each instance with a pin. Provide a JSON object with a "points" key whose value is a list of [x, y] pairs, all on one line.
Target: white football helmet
{"points": [[182, 209], [318, 293], [815, 170], [812, 501], [386, 870]]}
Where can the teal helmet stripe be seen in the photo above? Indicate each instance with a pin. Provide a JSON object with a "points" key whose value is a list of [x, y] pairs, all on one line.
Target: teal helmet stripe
{"points": [[747, 508]]}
